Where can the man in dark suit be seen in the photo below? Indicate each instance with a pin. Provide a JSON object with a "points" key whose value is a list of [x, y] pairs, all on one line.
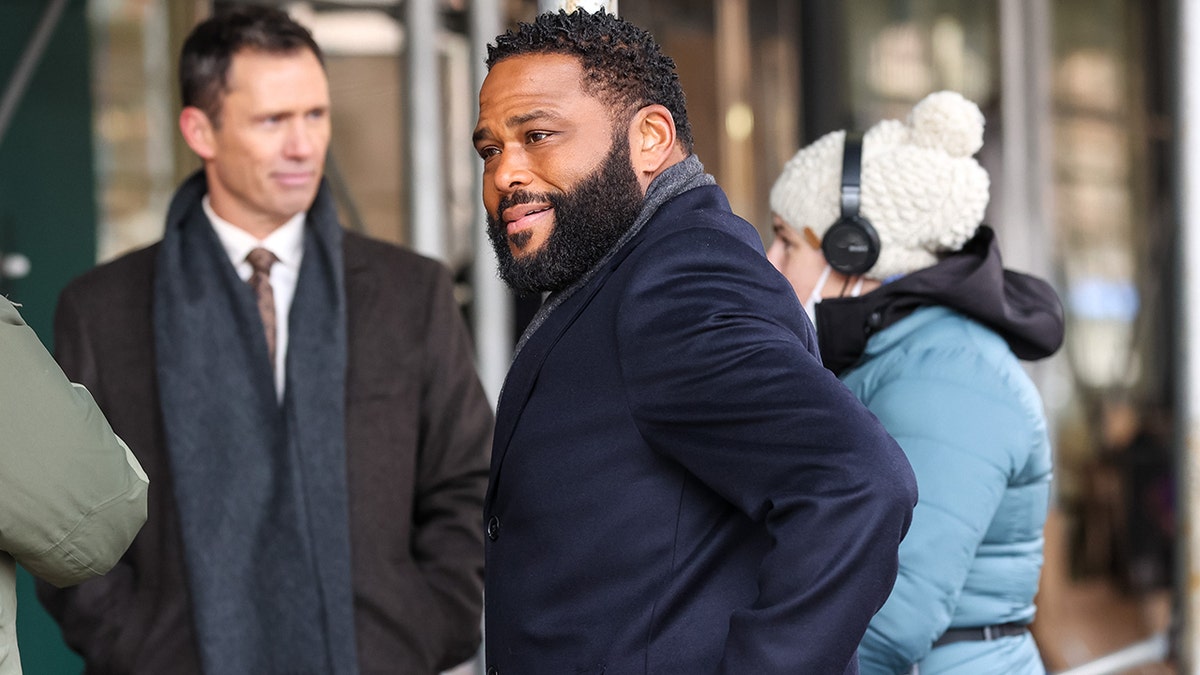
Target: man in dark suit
{"points": [[317, 437], [677, 484]]}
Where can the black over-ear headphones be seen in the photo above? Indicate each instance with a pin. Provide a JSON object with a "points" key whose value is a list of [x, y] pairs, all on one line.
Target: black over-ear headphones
{"points": [[851, 245]]}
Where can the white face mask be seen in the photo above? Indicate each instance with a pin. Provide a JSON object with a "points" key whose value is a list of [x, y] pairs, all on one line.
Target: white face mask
{"points": [[810, 305]]}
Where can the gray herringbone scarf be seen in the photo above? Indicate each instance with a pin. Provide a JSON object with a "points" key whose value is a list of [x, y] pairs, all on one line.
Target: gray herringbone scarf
{"points": [[260, 488]]}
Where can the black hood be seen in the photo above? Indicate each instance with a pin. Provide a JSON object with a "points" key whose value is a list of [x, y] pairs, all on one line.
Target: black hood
{"points": [[1022, 309]]}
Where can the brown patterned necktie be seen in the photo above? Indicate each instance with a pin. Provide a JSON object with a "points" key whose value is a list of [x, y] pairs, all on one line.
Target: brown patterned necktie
{"points": [[261, 260]]}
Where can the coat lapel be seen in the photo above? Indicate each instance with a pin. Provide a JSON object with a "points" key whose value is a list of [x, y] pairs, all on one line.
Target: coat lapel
{"points": [[523, 373], [361, 290]]}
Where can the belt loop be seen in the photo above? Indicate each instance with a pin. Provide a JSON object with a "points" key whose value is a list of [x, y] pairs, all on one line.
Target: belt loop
{"points": [[987, 633]]}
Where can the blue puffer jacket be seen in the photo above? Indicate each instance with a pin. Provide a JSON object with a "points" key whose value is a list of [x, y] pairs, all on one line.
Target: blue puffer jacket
{"points": [[939, 370]]}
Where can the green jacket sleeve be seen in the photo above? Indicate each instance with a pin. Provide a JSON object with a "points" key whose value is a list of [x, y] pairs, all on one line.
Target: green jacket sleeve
{"points": [[72, 495]]}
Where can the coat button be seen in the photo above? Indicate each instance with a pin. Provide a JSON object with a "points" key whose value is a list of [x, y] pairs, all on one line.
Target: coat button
{"points": [[493, 528], [492, 671], [874, 321]]}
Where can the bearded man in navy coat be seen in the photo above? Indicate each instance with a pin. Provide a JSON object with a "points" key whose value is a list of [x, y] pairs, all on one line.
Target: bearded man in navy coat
{"points": [[677, 484]]}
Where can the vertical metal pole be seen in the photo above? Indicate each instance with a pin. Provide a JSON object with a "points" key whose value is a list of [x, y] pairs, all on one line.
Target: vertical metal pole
{"points": [[1012, 202], [733, 66], [1188, 462], [609, 6], [492, 307], [1024, 206], [426, 177], [1023, 199]]}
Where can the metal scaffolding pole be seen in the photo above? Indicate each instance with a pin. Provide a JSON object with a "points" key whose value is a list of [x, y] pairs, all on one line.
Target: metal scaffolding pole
{"points": [[1024, 206], [426, 175], [492, 306], [1188, 461], [609, 6], [1022, 190], [27, 64]]}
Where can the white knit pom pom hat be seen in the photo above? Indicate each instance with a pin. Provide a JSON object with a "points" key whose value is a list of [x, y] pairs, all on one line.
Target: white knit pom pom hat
{"points": [[921, 189]]}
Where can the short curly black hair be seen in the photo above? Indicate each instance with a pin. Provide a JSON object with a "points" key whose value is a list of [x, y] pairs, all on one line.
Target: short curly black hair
{"points": [[619, 60]]}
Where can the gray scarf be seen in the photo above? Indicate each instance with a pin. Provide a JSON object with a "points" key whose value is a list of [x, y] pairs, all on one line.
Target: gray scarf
{"points": [[260, 488], [676, 180]]}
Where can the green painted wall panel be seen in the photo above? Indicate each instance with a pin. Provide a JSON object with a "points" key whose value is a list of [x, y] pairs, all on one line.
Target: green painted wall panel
{"points": [[47, 213], [47, 187]]}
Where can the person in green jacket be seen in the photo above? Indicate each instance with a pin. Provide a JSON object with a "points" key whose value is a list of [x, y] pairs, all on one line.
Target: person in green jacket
{"points": [[72, 495]]}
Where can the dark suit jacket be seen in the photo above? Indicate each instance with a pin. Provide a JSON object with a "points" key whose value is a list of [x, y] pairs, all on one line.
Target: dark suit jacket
{"points": [[677, 484], [417, 425]]}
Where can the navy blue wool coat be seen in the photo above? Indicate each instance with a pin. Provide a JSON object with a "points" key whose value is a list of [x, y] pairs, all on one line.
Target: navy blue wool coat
{"points": [[677, 484]]}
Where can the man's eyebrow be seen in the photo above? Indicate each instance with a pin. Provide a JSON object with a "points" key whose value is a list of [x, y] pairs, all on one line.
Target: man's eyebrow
{"points": [[518, 120], [267, 114], [480, 135]]}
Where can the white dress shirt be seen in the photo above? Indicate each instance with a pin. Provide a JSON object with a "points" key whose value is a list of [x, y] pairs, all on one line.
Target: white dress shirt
{"points": [[287, 243]]}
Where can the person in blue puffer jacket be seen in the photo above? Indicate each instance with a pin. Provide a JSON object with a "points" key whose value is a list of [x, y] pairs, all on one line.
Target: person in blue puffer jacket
{"points": [[882, 240]]}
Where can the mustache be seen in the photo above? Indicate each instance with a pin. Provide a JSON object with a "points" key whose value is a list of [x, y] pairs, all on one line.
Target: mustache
{"points": [[523, 197]]}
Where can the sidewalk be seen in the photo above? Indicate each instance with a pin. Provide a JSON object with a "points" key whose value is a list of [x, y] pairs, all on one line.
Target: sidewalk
{"points": [[1079, 621]]}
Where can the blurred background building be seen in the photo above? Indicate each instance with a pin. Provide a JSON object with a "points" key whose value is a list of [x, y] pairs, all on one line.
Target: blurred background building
{"points": [[1082, 124]]}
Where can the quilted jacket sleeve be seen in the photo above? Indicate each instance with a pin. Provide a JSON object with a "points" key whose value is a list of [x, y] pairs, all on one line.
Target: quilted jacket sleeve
{"points": [[72, 495]]}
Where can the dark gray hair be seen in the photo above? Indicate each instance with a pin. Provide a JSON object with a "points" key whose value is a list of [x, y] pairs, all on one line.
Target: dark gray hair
{"points": [[212, 44]]}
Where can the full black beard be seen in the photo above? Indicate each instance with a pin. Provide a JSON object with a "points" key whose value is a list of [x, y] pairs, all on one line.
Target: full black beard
{"points": [[588, 221]]}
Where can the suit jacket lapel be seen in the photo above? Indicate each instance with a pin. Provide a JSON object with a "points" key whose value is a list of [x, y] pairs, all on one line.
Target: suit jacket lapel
{"points": [[523, 373], [361, 291]]}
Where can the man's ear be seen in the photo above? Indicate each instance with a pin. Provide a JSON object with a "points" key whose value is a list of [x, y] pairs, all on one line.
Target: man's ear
{"points": [[652, 142], [198, 132]]}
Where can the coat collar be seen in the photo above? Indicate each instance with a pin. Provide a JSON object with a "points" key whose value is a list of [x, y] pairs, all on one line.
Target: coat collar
{"points": [[527, 365]]}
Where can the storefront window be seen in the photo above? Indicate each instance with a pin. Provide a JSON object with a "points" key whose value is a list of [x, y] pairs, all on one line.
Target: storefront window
{"points": [[133, 118], [1115, 260], [901, 51], [141, 158]]}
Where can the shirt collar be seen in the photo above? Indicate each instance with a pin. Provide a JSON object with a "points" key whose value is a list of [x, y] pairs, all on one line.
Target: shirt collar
{"points": [[286, 242]]}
